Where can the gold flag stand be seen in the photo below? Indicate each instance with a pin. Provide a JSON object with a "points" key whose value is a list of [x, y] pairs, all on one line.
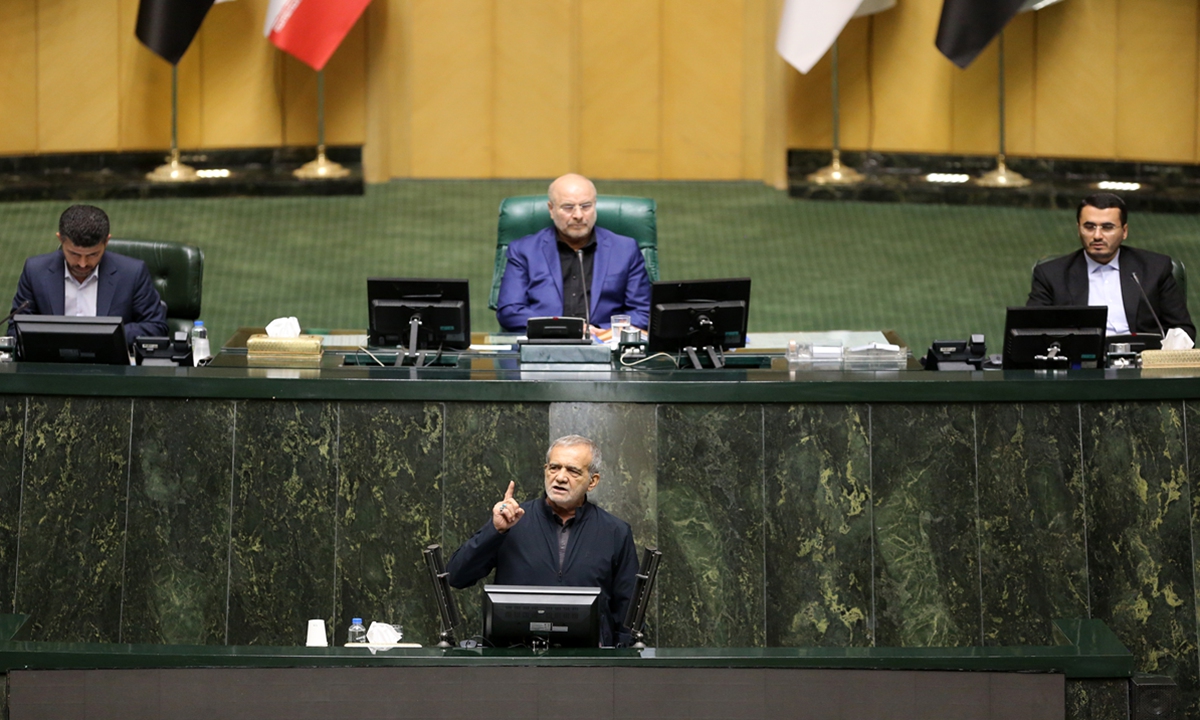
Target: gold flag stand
{"points": [[322, 168], [1002, 177], [835, 173], [173, 171]]}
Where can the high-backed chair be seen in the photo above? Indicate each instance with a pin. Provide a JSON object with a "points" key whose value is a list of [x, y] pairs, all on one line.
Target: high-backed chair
{"points": [[523, 215], [1178, 271], [178, 272]]}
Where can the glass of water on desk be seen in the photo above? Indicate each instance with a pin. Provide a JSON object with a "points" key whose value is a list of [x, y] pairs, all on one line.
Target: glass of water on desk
{"points": [[619, 323]]}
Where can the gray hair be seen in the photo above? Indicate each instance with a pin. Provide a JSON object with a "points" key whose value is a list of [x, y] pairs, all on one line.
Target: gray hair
{"points": [[594, 467]]}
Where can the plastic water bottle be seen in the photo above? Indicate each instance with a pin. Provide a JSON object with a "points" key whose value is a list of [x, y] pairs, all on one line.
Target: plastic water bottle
{"points": [[358, 633], [200, 349]]}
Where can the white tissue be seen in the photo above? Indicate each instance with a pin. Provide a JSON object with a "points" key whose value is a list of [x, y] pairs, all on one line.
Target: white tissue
{"points": [[284, 327], [382, 634], [1177, 339]]}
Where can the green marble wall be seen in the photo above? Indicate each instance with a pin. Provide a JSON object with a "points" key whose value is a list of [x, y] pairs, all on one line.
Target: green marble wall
{"points": [[223, 521]]}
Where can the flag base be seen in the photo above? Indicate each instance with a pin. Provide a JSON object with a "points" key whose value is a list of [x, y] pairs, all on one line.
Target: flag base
{"points": [[173, 172], [836, 174], [1002, 177], [320, 169]]}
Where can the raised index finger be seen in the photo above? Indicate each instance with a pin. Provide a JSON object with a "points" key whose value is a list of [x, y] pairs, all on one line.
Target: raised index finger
{"points": [[508, 493]]}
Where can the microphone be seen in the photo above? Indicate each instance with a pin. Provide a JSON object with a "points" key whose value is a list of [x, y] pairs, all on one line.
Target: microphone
{"points": [[587, 306], [1147, 299], [16, 312]]}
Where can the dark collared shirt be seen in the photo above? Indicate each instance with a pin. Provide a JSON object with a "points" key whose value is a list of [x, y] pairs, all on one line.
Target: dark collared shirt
{"points": [[574, 281], [599, 553]]}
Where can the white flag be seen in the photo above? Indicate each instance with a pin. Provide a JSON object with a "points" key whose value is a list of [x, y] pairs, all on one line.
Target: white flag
{"points": [[808, 28]]}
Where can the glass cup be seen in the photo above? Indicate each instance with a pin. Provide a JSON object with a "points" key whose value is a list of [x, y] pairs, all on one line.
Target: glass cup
{"points": [[619, 323]]}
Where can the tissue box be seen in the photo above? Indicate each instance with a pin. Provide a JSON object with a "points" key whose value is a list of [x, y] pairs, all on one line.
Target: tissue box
{"points": [[267, 351], [1170, 358]]}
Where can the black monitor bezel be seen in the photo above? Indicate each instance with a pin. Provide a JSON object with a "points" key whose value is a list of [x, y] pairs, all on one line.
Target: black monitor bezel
{"points": [[439, 293], [727, 294], [507, 635], [44, 338], [1083, 325]]}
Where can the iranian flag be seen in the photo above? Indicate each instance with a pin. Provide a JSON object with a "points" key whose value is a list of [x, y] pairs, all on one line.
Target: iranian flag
{"points": [[311, 30]]}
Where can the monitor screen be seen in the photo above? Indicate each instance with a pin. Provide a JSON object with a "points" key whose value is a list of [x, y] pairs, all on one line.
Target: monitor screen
{"points": [[1066, 337], [58, 339], [443, 308], [561, 616], [699, 313]]}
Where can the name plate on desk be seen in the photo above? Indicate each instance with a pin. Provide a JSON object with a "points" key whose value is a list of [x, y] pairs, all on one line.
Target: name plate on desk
{"points": [[574, 354]]}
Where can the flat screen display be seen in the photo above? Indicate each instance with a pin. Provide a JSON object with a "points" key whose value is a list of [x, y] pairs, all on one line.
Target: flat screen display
{"points": [[1065, 337], [442, 307], [58, 339], [699, 313], [515, 615]]}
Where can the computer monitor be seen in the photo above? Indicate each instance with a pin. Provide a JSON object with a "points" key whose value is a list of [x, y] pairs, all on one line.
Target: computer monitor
{"points": [[1066, 337], [699, 314], [442, 308], [560, 616], [59, 339]]}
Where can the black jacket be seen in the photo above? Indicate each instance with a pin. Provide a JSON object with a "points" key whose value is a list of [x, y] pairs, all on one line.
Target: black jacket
{"points": [[1064, 281], [600, 553]]}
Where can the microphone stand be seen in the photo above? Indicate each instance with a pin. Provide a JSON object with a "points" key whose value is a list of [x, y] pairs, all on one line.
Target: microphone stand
{"points": [[441, 592], [635, 618]]}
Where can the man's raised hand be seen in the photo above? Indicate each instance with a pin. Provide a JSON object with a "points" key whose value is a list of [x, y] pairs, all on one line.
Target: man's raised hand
{"points": [[507, 512]]}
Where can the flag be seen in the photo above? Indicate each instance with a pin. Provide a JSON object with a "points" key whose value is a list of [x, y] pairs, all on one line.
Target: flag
{"points": [[311, 29], [967, 26], [808, 28], [168, 26]]}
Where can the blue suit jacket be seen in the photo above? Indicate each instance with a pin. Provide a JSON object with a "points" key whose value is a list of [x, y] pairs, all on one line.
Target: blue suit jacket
{"points": [[533, 284], [125, 290]]}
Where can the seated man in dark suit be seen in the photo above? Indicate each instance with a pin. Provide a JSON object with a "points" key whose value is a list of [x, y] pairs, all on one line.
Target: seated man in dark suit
{"points": [[80, 279], [1105, 273], [573, 269]]}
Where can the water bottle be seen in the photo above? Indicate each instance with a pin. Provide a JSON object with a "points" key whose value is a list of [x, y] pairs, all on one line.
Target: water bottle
{"points": [[200, 349], [358, 633]]}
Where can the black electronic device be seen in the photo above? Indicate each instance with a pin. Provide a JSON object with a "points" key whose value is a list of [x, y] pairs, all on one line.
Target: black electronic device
{"points": [[549, 616], [699, 317], [59, 339], [968, 354], [419, 314], [155, 350], [556, 331], [1064, 337]]}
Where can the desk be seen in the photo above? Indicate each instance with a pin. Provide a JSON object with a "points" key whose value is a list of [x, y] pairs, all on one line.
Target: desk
{"points": [[826, 509]]}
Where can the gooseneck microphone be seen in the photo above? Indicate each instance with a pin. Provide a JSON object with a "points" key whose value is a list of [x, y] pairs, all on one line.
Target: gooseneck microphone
{"points": [[16, 312], [1147, 299], [587, 306]]}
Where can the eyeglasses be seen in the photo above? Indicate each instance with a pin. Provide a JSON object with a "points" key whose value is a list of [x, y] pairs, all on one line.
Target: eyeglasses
{"points": [[1106, 228]]}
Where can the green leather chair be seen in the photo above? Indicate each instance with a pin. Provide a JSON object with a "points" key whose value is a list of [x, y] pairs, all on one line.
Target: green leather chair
{"points": [[1178, 271], [523, 215], [178, 272]]}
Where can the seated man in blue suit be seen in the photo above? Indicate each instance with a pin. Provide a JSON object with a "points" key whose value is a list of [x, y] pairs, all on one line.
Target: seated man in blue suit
{"points": [[573, 269], [80, 279]]}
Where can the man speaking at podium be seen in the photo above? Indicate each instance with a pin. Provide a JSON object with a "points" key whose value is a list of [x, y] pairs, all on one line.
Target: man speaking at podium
{"points": [[80, 279], [1136, 285], [573, 269], [558, 539]]}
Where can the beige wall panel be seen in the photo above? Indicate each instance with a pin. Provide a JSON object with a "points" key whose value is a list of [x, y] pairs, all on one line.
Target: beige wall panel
{"points": [[77, 75], [912, 81], [810, 103], [1156, 80], [620, 78], [145, 91], [775, 122], [1076, 80], [1019, 66], [19, 81], [534, 84], [345, 94], [856, 84], [702, 89], [451, 88], [975, 105], [754, 87], [241, 78], [386, 148]]}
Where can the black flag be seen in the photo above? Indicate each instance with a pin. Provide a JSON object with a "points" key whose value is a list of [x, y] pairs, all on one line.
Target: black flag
{"points": [[967, 26], [168, 26]]}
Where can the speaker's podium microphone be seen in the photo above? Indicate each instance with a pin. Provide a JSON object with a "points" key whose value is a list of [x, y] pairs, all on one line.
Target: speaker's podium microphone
{"points": [[1157, 322]]}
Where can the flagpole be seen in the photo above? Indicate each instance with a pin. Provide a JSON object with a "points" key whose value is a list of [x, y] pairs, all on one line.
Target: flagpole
{"points": [[835, 173], [322, 167], [1002, 176], [173, 170]]}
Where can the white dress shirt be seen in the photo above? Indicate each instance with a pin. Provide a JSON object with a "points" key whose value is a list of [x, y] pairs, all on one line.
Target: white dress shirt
{"points": [[79, 298], [1104, 288]]}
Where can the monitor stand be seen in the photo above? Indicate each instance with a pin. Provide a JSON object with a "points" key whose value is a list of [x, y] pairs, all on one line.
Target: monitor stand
{"points": [[714, 354]]}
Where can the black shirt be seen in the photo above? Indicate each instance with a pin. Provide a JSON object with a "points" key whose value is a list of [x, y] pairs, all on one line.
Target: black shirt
{"points": [[574, 282], [600, 553]]}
